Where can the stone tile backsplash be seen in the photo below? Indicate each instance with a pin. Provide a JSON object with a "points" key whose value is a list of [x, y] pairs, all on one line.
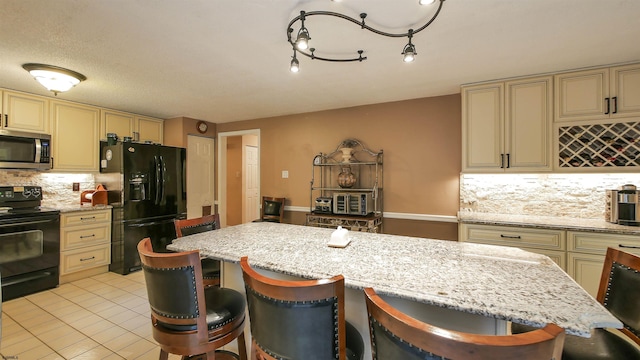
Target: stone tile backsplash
{"points": [[57, 187], [563, 195]]}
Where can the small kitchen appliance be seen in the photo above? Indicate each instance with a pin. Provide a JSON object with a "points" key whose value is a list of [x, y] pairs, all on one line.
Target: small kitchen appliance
{"points": [[623, 205], [24, 150], [352, 203], [323, 205]]}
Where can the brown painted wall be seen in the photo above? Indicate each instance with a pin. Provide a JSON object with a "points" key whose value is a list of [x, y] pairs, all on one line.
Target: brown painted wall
{"points": [[422, 152]]}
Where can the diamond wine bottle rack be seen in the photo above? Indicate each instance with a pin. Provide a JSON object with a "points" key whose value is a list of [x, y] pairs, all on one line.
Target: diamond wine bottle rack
{"points": [[599, 145]]}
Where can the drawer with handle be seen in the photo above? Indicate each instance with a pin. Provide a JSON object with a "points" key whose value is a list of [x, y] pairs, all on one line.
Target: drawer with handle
{"points": [[87, 235], [84, 258], [597, 243], [85, 217], [513, 236]]}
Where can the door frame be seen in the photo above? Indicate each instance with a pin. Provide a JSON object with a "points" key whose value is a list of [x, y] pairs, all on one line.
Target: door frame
{"points": [[222, 169]]}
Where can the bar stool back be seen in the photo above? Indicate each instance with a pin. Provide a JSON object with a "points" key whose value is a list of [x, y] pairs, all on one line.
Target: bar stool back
{"points": [[395, 335], [185, 227], [299, 319]]}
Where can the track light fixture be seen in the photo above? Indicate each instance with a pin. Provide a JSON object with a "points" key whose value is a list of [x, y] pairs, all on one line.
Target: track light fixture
{"points": [[54, 78], [301, 42]]}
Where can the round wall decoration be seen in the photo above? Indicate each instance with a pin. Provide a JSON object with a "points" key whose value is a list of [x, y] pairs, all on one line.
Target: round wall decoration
{"points": [[202, 127]]}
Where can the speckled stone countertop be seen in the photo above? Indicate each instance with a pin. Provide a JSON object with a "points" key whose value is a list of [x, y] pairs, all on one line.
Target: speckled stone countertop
{"points": [[499, 282], [547, 222], [72, 208]]}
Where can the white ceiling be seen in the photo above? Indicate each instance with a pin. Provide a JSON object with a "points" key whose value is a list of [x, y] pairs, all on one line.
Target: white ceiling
{"points": [[228, 60]]}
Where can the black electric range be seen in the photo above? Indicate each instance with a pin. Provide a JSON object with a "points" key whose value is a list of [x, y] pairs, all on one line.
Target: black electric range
{"points": [[29, 242]]}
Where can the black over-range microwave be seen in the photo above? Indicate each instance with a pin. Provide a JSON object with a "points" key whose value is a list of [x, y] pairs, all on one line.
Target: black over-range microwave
{"points": [[23, 150]]}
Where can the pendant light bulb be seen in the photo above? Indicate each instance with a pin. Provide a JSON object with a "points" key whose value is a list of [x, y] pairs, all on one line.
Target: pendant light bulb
{"points": [[426, 2], [295, 65], [302, 41], [409, 50]]}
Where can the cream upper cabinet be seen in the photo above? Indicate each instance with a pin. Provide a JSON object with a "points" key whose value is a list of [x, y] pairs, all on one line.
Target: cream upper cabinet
{"points": [[24, 112], [150, 129], [598, 93], [137, 127], [507, 126], [116, 122], [75, 137]]}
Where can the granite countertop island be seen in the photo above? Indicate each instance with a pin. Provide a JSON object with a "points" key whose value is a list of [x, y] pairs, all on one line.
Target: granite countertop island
{"points": [[494, 281]]}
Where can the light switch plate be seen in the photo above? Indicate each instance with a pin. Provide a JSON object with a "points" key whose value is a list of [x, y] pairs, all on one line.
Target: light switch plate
{"points": [[285, 174]]}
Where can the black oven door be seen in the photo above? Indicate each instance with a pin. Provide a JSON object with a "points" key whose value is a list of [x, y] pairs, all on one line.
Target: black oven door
{"points": [[29, 253]]}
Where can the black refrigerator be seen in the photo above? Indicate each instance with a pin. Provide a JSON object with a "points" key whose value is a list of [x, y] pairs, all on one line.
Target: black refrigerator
{"points": [[146, 186]]}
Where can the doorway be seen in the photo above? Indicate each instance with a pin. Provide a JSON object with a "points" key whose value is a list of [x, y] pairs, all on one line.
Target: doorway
{"points": [[200, 176], [233, 196]]}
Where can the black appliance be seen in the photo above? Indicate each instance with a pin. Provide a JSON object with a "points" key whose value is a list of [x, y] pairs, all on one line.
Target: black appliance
{"points": [[146, 185], [29, 242], [23, 150]]}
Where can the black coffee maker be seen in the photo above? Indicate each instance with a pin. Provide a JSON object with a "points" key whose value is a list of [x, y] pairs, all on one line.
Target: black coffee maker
{"points": [[624, 205]]}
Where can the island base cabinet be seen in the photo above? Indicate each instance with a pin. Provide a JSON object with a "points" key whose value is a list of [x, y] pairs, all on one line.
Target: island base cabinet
{"points": [[586, 270], [356, 310]]}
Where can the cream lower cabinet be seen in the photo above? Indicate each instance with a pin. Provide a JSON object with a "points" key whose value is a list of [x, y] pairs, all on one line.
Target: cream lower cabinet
{"points": [[586, 252], [75, 137], [541, 241], [506, 126], [85, 244]]}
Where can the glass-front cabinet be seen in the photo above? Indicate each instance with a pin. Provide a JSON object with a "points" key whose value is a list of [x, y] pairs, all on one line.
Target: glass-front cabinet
{"points": [[346, 188]]}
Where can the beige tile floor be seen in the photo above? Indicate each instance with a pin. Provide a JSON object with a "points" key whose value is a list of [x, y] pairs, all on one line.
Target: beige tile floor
{"points": [[102, 317]]}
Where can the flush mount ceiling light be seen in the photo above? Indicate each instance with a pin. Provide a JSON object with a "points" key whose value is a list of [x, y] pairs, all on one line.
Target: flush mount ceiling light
{"points": [[301, 42], [54, 78]]}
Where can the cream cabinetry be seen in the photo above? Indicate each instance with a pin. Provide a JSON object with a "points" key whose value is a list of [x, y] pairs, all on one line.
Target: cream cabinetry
{"points": [[131, 125], [586, 252], [75, 137], [541, 241], [611, 92], [24, 112], [506, 126], [85, 244]]}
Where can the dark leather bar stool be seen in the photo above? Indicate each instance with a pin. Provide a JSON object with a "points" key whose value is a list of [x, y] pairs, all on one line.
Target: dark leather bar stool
{"points": [[187, 318], [185, 227], [619, 292], [396, 335], [301, 320]]}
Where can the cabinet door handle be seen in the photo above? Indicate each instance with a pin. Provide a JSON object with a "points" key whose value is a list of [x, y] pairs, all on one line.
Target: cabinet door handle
{"points": [[615, 105], [89, 258], [510, 236], [501, 161], [628, 246], [606, 100], [508, 161], [6, 120]]}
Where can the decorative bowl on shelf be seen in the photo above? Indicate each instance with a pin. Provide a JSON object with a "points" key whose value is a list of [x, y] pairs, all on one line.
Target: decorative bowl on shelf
{"points": [[346, 178]]}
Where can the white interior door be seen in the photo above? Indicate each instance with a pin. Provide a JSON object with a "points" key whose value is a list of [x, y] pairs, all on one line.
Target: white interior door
{"points": [[200, 175], [251, 188]]}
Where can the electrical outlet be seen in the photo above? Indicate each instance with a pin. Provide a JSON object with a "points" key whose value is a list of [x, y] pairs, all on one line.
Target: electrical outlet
{"points": [[76, 186]]}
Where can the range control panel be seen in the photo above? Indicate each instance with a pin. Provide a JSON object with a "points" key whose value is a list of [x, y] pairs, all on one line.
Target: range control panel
{"points": [[20, 193]]}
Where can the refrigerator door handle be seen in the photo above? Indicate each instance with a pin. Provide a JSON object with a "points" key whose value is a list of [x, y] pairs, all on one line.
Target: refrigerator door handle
{"points": [[164, 180], [151, 223], [156, 163]]}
